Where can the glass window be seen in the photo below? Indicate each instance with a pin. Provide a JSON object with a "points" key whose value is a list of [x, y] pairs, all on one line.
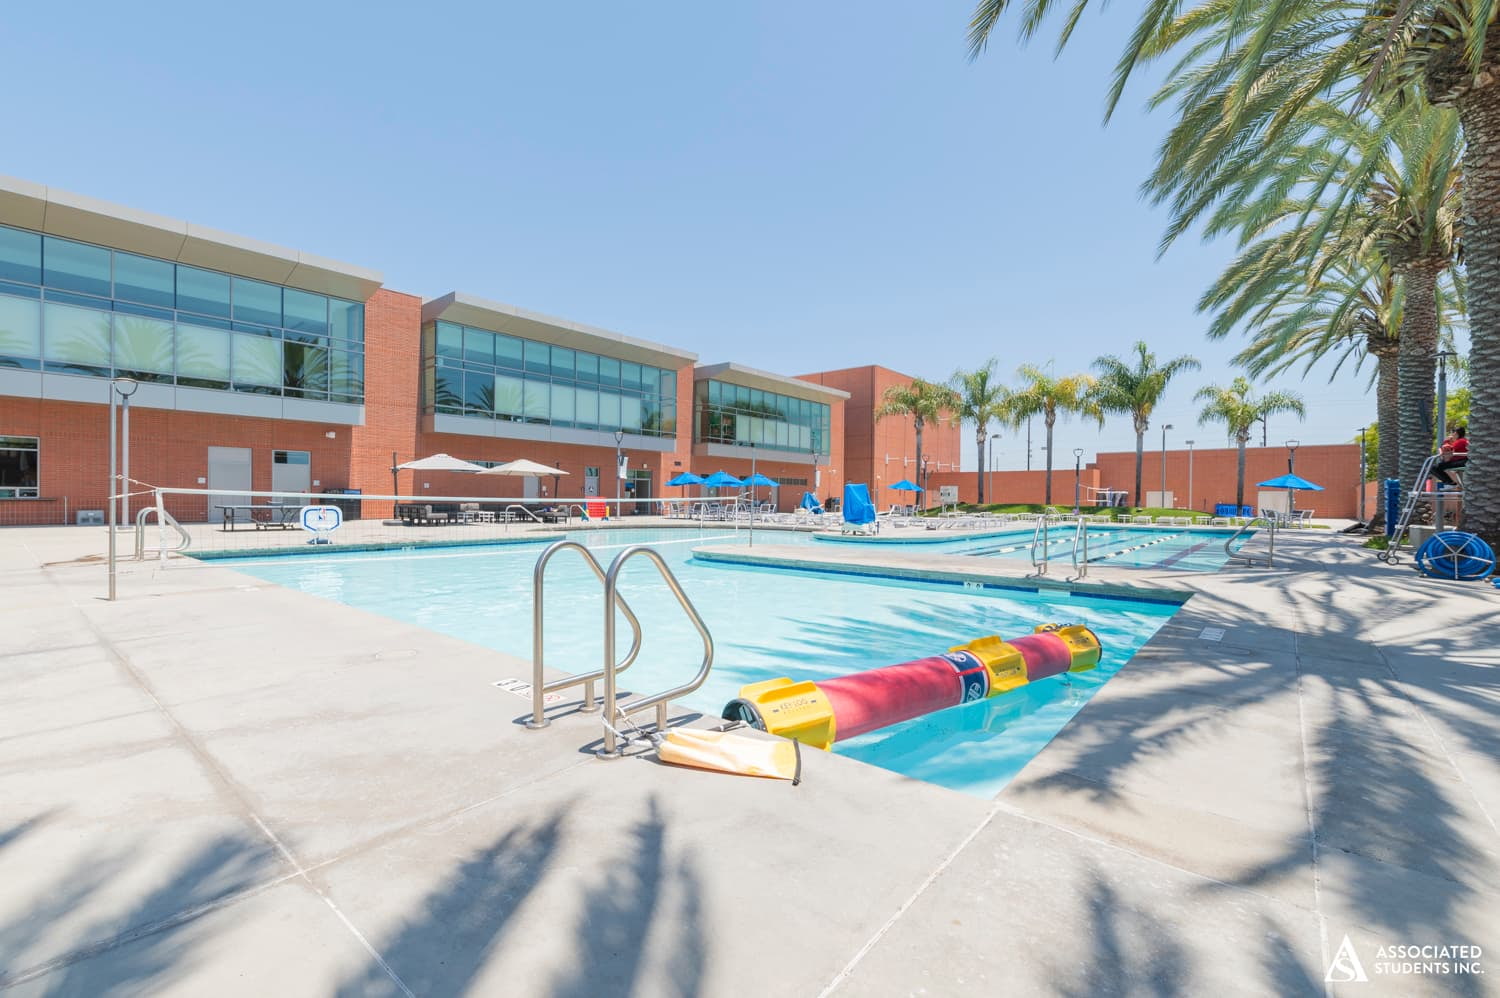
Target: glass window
{"points": [[20, 327], [202, 291], [142, 345], [479, 392], [586, 404], [450, 340], [669, 385], [75, 266], [257, 362], [508, 352], [509, 395], [668, 419], [630, 413], [562, 363], [346, 374], [609, 410], [345, 318], [630, 375], [257, 301], [588, 368], [562, 403], [538, 400], [77, 336], [538, 357], [609, 372], [305, 369], [707, 391], [305, 311], [783, 435], [479, 346], [19, 469], [20, 256], [202, 353], [142, 279], [447, 389], [291, 457]]}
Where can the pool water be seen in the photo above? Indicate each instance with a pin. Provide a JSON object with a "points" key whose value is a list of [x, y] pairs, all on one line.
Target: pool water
{"points": [[1182, 549], [765, 623]]}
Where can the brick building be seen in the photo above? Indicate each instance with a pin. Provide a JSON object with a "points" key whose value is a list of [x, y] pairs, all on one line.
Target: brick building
{"points": [[259, 367]]}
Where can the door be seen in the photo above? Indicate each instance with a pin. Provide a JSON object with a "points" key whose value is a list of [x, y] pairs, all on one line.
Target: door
{"points": [[291, 471], [591, 481], [228, 473]]}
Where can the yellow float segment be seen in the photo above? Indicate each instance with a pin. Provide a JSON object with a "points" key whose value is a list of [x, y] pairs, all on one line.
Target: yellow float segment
{"points": [[797, 710], [1002, 661], [1083, 644]]}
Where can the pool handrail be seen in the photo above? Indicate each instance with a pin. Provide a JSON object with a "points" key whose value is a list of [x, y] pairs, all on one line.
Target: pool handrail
{"points": [[164, 518], [613, 711], [1081, 544], [539, 687], [1270, 538], [1039, 534]]}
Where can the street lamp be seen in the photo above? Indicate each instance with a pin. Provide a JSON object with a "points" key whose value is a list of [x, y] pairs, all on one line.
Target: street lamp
{"points": [[1291, 469], [991, 488], [1077, 470], [619, 472], [1164, 429], [922, 496], [123, 388], [1190, 474]]}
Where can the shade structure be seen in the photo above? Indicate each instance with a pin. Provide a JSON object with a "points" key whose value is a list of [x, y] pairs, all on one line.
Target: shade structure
{"points": [[759, 479], [721, 479], [906, 486], [686, 478], [524, 469], [1290, 482], [440, 462]]}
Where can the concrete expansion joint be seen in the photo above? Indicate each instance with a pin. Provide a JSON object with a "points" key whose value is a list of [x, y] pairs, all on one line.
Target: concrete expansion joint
{"points": [[1307, 790]]}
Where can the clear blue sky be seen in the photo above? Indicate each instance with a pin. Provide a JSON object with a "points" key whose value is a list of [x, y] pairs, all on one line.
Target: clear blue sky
{"points": [[790, 186]]}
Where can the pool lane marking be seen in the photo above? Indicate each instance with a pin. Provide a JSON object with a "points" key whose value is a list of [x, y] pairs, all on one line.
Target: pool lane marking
{"points": [[481, 552]]}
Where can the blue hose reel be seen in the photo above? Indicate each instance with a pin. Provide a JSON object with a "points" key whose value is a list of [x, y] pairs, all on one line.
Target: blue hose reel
{"points": [[1453, 554]]}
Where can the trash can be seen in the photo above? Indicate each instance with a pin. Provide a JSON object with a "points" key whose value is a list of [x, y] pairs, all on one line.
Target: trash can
{"points": [[347, 501]]}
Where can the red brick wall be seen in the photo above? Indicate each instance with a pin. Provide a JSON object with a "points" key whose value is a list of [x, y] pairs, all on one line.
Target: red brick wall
{"points": [[393, 382]]}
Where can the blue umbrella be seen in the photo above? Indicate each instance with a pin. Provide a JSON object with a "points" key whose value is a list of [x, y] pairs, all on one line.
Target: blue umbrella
{"points": [[720, 479], [1291, 482], [686, 478], [906, 486], [759, 479]]}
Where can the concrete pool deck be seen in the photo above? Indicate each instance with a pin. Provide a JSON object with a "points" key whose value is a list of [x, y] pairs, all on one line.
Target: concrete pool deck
{"points": [[217, 786]]}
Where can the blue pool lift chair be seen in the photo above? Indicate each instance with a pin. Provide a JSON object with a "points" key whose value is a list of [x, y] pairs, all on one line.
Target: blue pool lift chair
{"points": [[859, 511]]}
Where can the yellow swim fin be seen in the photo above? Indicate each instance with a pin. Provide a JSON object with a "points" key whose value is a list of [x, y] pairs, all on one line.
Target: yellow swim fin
{"points": [[727, 752]]}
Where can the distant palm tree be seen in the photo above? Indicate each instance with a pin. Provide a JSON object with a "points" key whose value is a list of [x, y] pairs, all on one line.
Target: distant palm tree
{"points": [[922, 401], [1046, 396], [981, 398], [1239, 410], [1136, 387]]}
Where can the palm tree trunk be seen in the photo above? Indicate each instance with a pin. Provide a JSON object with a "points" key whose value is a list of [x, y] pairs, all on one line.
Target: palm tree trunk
{"points": [[1239, 480], [921, 496], [1479, 110], [1140, 452], [979, 479], [1388, 409], [1051, 419], [1416, 366]]}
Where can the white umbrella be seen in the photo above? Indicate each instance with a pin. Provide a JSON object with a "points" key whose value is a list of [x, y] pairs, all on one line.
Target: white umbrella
{"points": [[439, 462], [524, 468]]}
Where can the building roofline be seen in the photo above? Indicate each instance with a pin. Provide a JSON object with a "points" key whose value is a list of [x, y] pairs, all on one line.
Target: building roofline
{"points": [[74, 216], [498, 317], [739, 374]]}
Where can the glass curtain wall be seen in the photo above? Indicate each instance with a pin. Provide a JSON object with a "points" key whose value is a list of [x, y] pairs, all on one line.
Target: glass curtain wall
{"points": [[75, 308], [742, 416], [475, 372]]}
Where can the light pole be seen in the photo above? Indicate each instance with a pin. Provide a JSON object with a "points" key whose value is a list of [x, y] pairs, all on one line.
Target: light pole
{"points": [[123, 388], [1077, 470], [922, 496], [991, 487], [1362, 472], [1291, 469], [1028, 443], [1190, 473], [619, 472], [1164, 429]]}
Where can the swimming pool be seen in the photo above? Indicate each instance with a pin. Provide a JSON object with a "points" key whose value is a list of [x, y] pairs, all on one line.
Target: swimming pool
{"points": [[765, 623], [1195, 549]]}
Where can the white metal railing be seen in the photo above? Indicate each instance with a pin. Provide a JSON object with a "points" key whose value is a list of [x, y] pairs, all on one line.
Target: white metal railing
{"points": [[1270, 539], [1081, 549], [539, 687], [1039, 536], [166, 520]]}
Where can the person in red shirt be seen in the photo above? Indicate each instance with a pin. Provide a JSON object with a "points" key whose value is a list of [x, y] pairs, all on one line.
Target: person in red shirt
{"points": [[1455, 455]]}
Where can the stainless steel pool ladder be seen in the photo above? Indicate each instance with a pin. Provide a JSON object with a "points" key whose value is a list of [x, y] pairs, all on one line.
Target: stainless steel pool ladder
{"points": [[1039, 536], [1270, 539], [166, 519], [540, 688], [1081, 549]]}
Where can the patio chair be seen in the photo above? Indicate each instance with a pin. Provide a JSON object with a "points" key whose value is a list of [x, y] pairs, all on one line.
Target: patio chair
{"points": [[1301, 518]]}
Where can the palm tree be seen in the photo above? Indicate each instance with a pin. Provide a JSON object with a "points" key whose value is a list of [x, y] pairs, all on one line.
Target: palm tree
{"points": [[981, 398], [1136, 387], [1239, 410], [922, 401], [1046, 396]]}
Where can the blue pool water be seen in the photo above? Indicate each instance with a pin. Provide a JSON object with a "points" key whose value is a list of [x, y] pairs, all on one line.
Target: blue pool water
{"points": [[765, 623], [1195, 549]]}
